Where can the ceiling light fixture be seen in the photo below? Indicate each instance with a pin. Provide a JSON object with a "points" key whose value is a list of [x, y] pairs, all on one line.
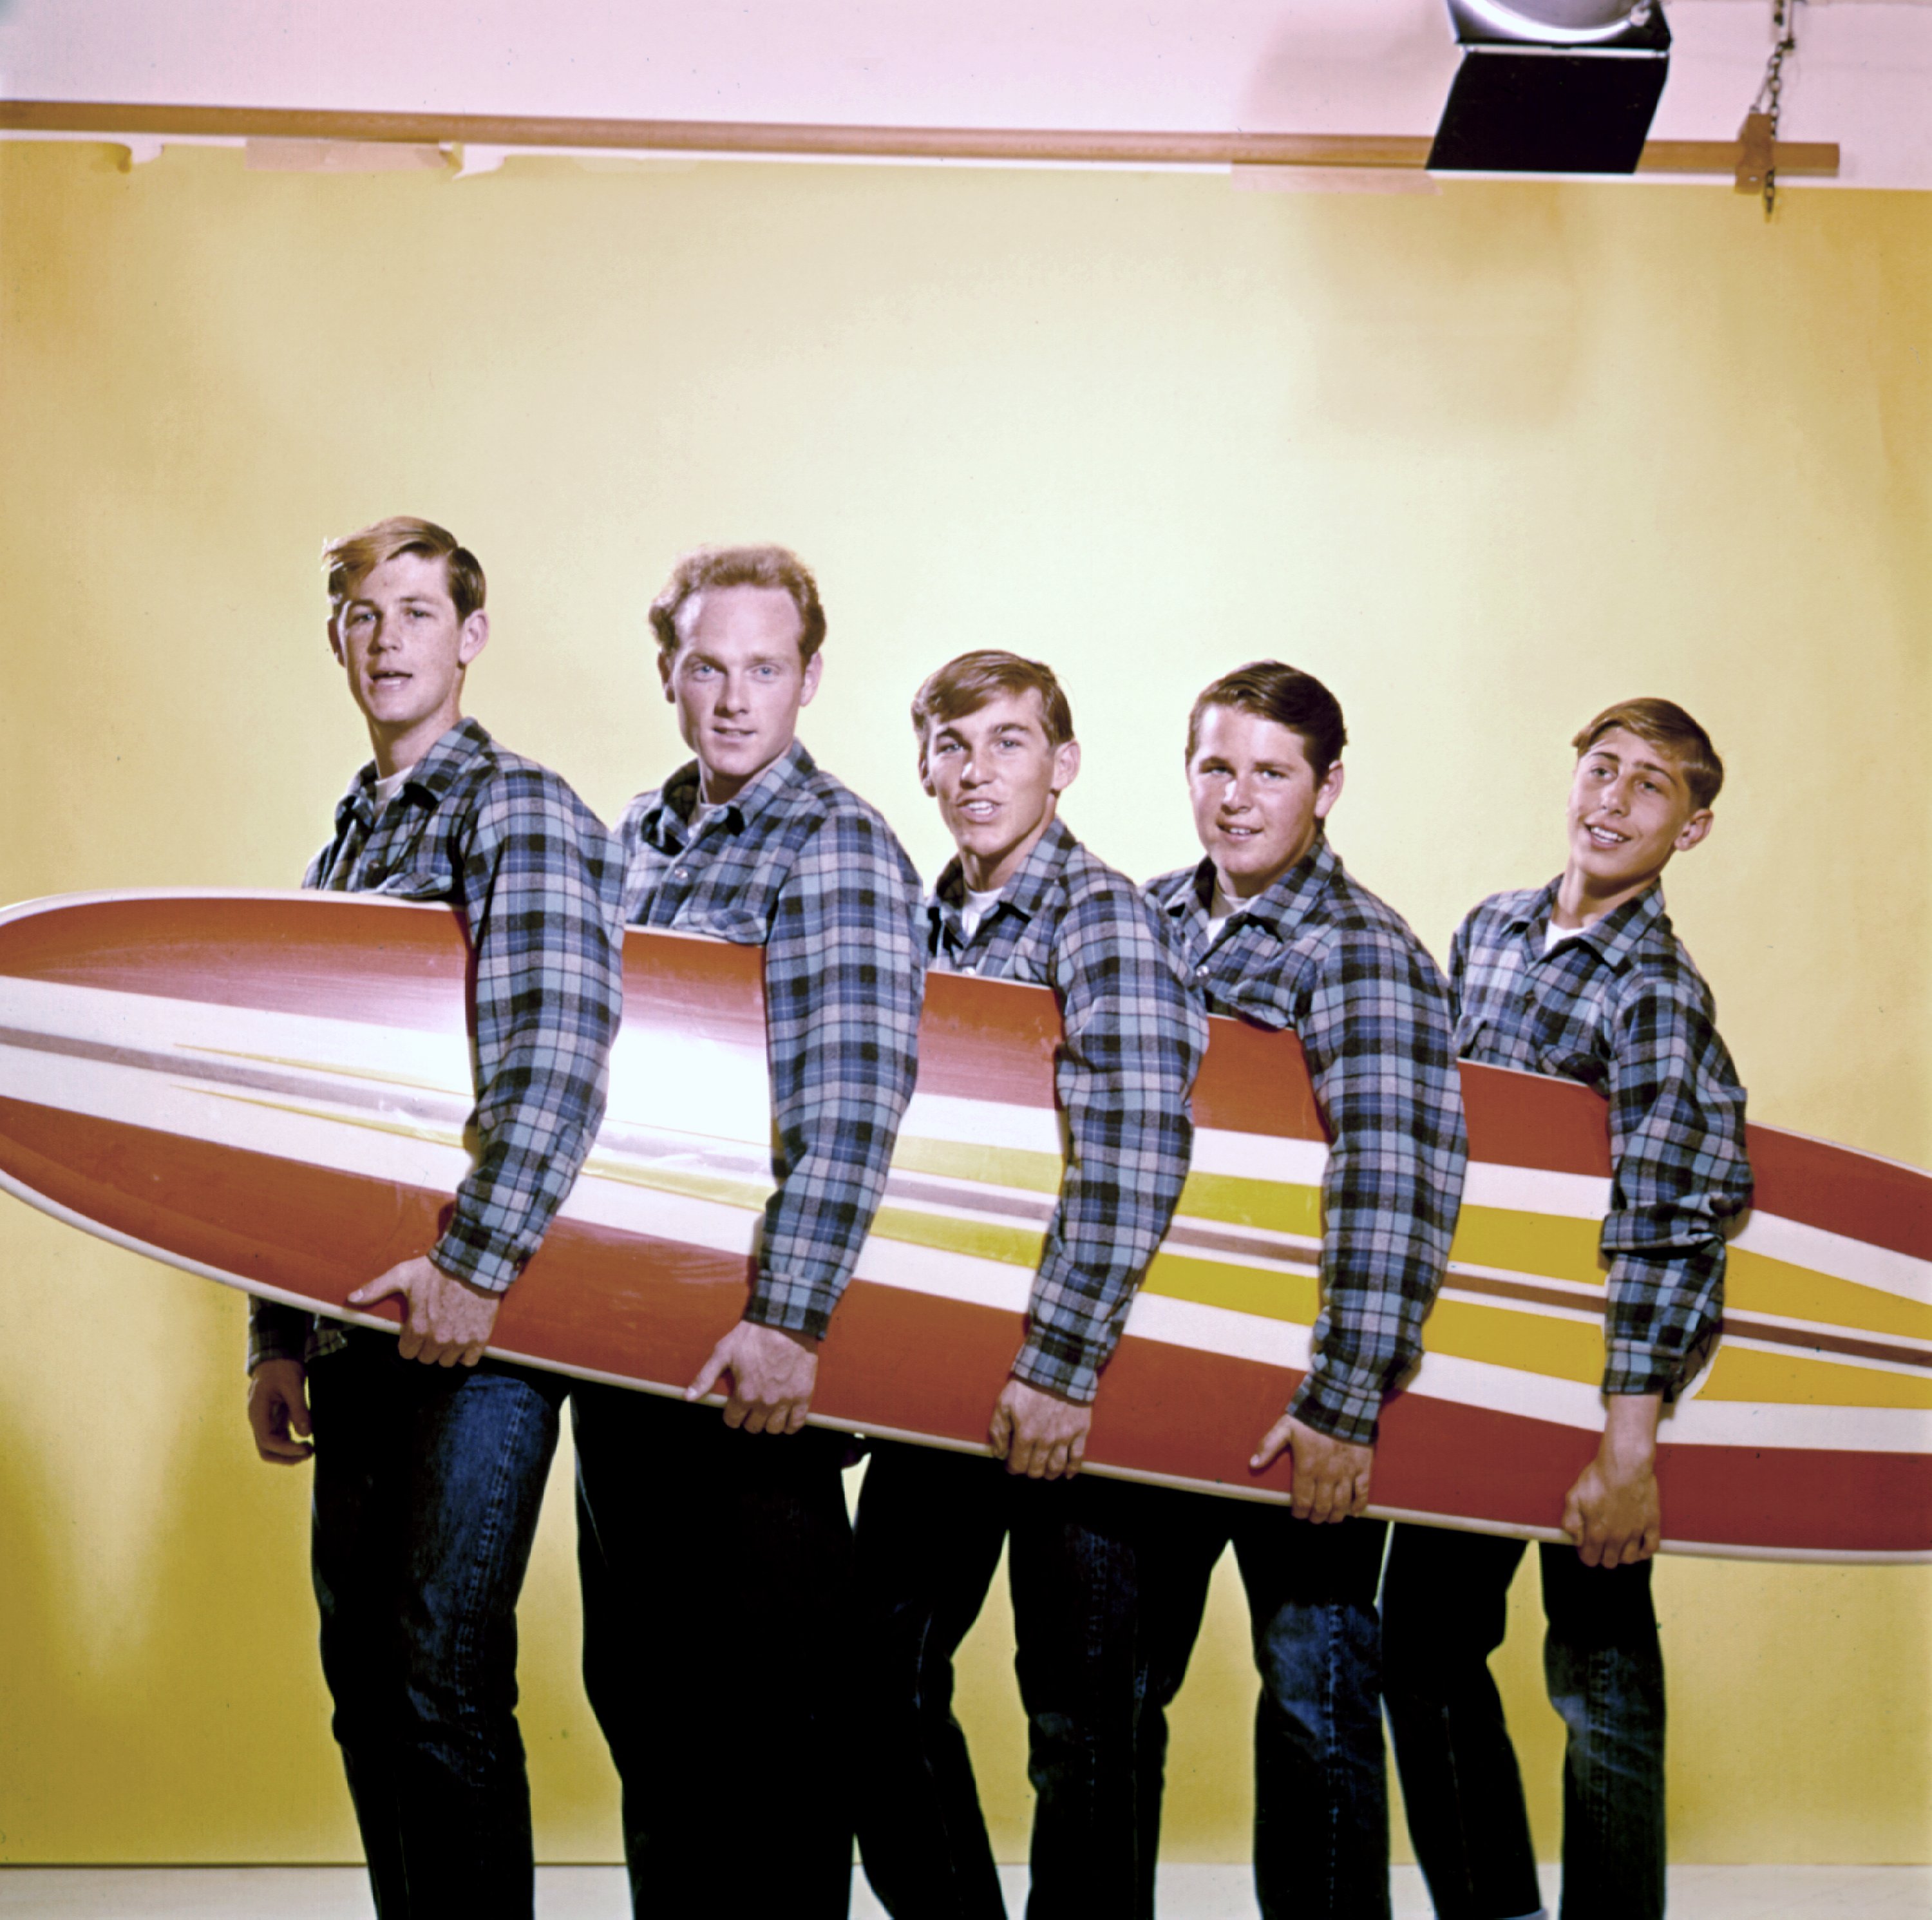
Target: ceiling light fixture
{"points": [[1551, 86]]}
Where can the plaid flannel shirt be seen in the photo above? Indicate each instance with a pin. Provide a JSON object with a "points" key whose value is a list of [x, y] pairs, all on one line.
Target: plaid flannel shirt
{"points": [[534, 873], [799, 864], [1319, 954], [1134, 1039], [1620, 1006]]}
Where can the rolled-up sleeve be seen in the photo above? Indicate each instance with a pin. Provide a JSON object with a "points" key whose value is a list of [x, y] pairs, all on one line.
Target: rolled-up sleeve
{"points": [[1134, 1039], [1679, 1172], [1377, 1037], [540, 889], [844, 978]]}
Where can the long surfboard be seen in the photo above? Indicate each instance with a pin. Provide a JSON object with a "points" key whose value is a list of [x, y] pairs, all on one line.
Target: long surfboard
{"points": [[271, 1090]]}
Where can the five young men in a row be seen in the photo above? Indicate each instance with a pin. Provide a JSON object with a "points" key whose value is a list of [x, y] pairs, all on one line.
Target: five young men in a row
{"points": [[754, 1717]]}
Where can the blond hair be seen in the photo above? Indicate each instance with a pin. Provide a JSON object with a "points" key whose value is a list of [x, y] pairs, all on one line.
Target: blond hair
{"points": [[347, 561]]}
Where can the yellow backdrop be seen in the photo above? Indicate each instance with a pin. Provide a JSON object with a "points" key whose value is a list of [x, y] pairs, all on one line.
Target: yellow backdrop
{"points": [[1484, 462]]}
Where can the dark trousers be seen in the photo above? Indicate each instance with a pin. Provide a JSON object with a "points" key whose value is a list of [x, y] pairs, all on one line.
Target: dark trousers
{"points": [[930, 1527], [1445, 1611], [427, 1484], [1321, 1846], [716, 1568]]}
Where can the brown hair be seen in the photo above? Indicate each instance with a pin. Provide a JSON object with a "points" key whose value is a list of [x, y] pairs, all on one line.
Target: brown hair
{"points": [[1288, 697], [964, 684], [345, 561], [1664, 725], [707, 567]]}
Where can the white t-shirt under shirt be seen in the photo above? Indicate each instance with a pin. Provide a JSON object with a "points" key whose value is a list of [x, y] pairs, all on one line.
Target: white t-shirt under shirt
{"points": [[977, 906], [1220, 910], [386, 790], [1554, 936]]}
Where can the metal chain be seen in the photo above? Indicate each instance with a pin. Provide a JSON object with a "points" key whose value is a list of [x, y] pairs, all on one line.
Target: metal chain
{"points": [[1771, 88]]}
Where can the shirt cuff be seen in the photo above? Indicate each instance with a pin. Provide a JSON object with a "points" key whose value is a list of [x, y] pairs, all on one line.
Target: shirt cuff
{"points": [[1068, 1369], [277, 1332], [790, 1307], [1341, 1402], [471, 1254], [1630, 1367]]}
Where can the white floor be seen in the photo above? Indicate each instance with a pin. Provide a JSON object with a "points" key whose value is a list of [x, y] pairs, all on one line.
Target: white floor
{"points": [[1186, 1893]]}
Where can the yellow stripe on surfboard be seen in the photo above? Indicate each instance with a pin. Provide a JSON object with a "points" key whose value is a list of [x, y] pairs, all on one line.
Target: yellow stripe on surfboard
{"points": [[1756, 1283], [1796, 1379], [1558, 1344]]}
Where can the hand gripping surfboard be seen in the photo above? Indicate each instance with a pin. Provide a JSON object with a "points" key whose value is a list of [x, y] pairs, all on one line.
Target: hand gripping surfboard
{"points": [[271, 1090]]}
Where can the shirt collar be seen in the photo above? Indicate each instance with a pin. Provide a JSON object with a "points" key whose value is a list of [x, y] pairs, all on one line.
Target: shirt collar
{"points": [[1035, 878], [433, 775], [1034, 881], [1616, 936], [1278, 906], [678, 798]]}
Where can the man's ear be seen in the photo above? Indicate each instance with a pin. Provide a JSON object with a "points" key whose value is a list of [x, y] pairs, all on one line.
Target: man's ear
{"points": [[1330, 790], [1694, 831], [813, 668], [474, 638], [1066, 765]]}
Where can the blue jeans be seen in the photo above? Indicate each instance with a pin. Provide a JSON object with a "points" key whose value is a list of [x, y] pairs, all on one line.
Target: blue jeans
{"points": [[931, 1526], [1321, 1780], [1445, 1611], [428, 1484], [716, 1569]]}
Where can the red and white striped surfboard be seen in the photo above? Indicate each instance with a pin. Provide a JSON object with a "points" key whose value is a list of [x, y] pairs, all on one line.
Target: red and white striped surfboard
{"points": [[270, 1089]]}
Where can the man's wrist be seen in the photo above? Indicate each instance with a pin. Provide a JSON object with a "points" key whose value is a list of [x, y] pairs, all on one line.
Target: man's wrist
{"points": [[1629, 1430]]}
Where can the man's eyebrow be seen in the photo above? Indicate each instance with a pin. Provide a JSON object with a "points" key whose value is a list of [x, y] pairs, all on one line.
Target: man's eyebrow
{"points": [[1640, 766]]}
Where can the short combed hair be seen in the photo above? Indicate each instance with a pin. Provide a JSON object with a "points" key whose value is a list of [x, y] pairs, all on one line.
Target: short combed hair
{"points": [[705, 568], [1664, 725], [964, 684], [1288, 697], [345, 561]]}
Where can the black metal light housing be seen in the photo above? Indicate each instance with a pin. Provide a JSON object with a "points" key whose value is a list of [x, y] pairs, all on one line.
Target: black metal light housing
{"points": [[1551, 86]]}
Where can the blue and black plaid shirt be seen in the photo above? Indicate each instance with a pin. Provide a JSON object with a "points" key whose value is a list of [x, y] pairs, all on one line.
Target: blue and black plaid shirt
{"points": [[1322, 956], [800, 866], [536, 877], [1134, 1039], [1619, 1005]]}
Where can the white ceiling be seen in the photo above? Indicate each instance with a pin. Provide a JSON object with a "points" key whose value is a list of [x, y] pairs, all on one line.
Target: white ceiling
{"points": [[1863, 76]]}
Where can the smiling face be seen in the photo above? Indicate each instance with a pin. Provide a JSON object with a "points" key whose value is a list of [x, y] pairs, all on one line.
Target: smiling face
{"points": [[1258, 803], [397, 637], [997, 777], [737, 683], [1630, 809]]}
